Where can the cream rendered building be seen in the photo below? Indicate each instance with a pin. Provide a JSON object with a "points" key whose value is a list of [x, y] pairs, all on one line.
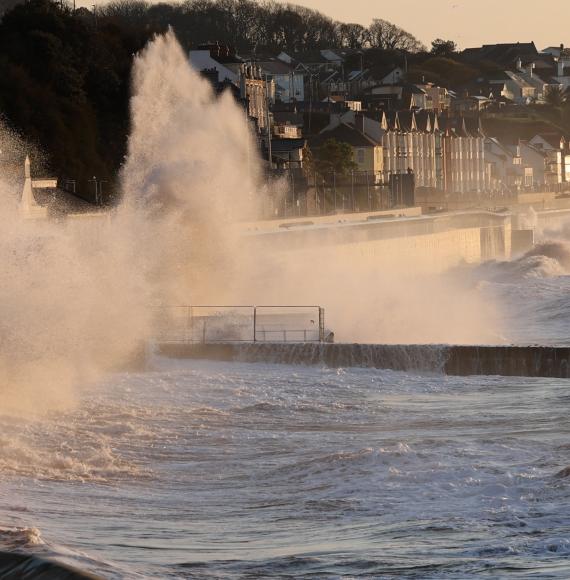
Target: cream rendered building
{"points": [[444, 155]]}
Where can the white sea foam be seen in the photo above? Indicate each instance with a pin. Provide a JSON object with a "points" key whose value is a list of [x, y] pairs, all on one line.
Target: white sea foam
{"points": [[301, 460]]}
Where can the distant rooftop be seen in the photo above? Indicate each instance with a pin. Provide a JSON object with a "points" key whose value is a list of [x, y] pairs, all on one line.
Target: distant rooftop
{"points": [[502, 54], [343, 133]]}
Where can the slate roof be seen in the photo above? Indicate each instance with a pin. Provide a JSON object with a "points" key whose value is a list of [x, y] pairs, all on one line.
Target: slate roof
{"points": [[343, 133], [407, 121], [552, 138], [425, 120], [461, 126], [503, 54], [310, 57], [381, 71], [275, 67], [287, 145], [485, 89], [288, 118]]}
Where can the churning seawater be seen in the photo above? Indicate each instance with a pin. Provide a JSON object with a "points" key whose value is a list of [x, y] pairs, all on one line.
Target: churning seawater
{"points": [[230, 470], [234, 470]]}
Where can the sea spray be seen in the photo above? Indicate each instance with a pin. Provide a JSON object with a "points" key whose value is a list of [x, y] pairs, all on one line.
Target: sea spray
{"points": [[193, 176], [192, 172], [78, 296], [71, 305]]}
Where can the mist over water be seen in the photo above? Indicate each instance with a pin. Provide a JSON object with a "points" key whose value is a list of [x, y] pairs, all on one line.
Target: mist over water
{"points": [[77, 298], [69, 306]]}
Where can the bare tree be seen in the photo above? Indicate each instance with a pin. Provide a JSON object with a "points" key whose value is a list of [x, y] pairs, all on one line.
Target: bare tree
{"points": [[352, 35], [388, 36], [132, 12]]}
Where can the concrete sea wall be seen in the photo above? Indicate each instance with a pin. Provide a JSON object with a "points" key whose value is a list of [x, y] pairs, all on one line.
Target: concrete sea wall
{"points": [[523, 361], [432, 242]]}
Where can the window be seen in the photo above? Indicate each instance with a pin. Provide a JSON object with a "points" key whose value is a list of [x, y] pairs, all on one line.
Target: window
{"points": [[360, 156]]}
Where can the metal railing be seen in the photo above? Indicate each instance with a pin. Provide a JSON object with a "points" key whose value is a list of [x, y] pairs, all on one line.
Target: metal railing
{"points": [[222, 324]]}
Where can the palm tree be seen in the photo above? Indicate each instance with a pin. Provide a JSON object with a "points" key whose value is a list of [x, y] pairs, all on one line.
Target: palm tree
{"points": [[555, 96]]}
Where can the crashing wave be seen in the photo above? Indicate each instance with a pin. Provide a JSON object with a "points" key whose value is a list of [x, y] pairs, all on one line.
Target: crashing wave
{"points": [[546, 260]]}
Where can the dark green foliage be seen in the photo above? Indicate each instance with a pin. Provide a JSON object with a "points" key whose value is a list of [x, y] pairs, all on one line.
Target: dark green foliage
{"points": [[64, 86], [333, 157], [555, 97], [446, 48]]}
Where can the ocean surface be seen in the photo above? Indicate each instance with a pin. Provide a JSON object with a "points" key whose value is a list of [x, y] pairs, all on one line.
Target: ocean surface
{"points": [[233, 470]]}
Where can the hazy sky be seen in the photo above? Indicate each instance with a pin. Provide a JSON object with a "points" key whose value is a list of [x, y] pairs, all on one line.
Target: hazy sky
{"points": [[468, 22]]}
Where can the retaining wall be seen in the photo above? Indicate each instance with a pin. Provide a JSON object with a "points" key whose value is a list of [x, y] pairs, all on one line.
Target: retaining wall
{"points": [[524, 361]]}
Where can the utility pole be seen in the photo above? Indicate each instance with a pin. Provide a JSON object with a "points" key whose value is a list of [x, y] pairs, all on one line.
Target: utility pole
{"points": [[352, 188], [310, 99], [248, 143], [368, 192], [334, 188], [268, 122]]}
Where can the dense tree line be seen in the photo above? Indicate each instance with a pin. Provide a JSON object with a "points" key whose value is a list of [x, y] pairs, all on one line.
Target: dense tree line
{"points": [[64, 86], [248, 25]]}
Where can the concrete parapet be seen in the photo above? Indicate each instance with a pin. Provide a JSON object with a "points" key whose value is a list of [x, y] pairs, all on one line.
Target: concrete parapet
{"points": [[523, 361]]}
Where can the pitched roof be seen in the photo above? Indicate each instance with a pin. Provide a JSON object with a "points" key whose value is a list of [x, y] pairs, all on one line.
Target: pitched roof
{"points": [[346, 134], [407, 121], [462, 126], [310, 57], [503, 54], [275, 67], [288, 118], [287, 145], [552, 138], [425, 121], [381, 71]]}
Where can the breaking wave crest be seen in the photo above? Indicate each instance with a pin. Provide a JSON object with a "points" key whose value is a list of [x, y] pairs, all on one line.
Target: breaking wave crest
{"points": [[19, 538], [545, 260]]}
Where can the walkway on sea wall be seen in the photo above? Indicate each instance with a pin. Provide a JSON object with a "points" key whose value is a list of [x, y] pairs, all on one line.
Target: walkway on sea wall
{"points": [[434, 242], [522, 361]]}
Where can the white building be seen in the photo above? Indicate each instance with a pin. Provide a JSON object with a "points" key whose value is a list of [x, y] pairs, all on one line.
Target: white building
{"points": [[202, 60], [554, 147], [289, 83], [444, 158]]}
